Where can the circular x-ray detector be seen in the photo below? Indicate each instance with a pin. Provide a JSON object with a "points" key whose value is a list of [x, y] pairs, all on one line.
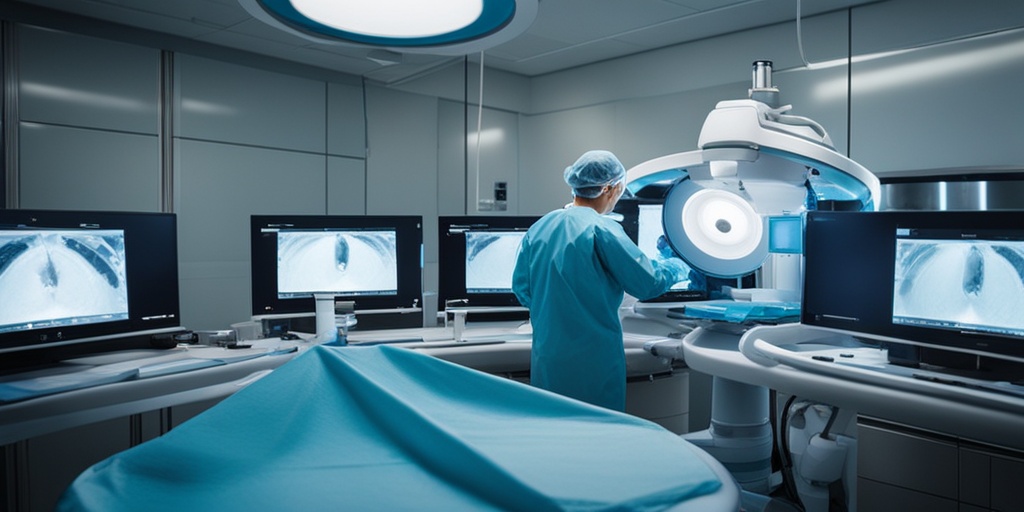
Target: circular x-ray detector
{"points": [[715, 231]]}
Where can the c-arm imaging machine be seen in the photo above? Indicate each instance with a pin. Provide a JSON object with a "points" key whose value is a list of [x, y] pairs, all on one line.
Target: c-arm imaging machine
{"points": [[735, 207]]}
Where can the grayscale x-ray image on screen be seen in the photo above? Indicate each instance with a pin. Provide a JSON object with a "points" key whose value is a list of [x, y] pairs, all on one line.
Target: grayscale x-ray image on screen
{"points": [[973, 285], [490, 260], [336, 261], [649, 228], [51, 278]]}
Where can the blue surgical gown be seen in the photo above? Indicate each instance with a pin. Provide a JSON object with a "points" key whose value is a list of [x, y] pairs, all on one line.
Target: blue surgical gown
{"points": [[573, 267]]}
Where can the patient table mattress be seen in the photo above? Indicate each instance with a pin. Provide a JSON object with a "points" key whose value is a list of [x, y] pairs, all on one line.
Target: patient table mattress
{"points": [[386, 428]]}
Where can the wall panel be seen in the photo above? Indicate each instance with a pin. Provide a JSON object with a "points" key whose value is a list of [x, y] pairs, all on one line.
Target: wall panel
{"points": [[224, 102], [951, 105], [401, 169], [550, 143], [346, 120], [691, 66], [217, 188], [74, 80], [498, 160], [891, 25], [346, 186], [80, 169], [451, 158]]}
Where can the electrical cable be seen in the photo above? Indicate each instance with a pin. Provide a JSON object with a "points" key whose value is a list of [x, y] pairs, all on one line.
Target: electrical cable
{"points": [[799, 36], [479, 126], [831, 421], [773, 400], [465, 139], [836, 490], [787, 466]]}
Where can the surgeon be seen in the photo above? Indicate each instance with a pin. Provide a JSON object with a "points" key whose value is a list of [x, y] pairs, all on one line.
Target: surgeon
{"points": [[573, 267]]}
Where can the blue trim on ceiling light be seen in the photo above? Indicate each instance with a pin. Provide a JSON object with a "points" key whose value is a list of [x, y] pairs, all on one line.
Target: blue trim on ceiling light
{"points": [[496, 14]]}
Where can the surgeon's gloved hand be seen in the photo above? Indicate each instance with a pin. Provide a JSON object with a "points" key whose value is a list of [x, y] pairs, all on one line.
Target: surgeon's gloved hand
{"points": [[697, 280], [664, 249], [670, 260], [680, 272]]}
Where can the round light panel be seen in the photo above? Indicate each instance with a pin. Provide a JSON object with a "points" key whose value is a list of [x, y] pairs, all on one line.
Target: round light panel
{"points": [[715, 231], [405, 19], [442, 27]]}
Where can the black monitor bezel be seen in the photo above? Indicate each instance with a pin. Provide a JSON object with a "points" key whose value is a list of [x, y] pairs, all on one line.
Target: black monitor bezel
{"points": [[263, 261], [849, 273], [151, 255], [451, 249]]}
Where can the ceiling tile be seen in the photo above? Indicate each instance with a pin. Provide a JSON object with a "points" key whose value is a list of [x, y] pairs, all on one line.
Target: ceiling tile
{"points": [[524, 46], [566, 33], [578, 21], [246, 42], [700, 26], [203, 11], [253, 27], [578, 56], [707, 5]]}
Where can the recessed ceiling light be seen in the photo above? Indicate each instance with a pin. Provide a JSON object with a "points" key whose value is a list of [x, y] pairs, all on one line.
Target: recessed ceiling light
{"points": [[443, 27]]}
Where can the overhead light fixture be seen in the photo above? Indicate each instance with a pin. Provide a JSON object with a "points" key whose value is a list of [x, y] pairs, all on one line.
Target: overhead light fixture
{"points": [[439, 27]]}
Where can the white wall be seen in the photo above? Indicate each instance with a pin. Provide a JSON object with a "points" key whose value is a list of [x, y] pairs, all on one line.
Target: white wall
{"points": [[88, 123], [254, 135], [245, 141], [952, 103], [649, 105]]}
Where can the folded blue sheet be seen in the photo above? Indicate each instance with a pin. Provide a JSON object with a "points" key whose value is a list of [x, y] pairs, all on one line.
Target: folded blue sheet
{"points": [[386, 428]]}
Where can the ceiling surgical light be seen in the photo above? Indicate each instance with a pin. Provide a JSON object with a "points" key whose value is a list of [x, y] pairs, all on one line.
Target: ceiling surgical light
{"points": [[721, 223], [756, 163], [439, 27], [392, 18]]}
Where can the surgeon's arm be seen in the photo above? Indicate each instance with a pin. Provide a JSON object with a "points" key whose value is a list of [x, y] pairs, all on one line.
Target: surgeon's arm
{"points": [[521, 275], [640, 276]]}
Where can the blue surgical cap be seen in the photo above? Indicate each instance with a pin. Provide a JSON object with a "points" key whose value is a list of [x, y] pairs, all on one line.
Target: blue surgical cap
{"points": [[592, 171]]}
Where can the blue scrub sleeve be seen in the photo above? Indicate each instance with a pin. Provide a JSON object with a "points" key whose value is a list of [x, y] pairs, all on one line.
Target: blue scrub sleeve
{"points": [[521, 274], [638, 275]]}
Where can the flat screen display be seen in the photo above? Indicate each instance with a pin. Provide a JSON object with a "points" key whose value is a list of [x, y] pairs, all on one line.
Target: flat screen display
{"points": [[973, 284], [373, 260], [942, 279], [649, 230], [476, 259], [336, 261], [61, 277], [75, 282], [490, 260]]}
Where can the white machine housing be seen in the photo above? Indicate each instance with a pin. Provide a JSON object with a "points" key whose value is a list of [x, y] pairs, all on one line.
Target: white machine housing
{"points": [[756, 164]]}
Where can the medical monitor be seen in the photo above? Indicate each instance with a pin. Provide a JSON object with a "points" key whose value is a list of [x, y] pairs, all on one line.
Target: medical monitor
{"points": [[72, 278], [66, 277], [477, 255], [374, 261], [642, 222], [964, 282], [938, 279]]}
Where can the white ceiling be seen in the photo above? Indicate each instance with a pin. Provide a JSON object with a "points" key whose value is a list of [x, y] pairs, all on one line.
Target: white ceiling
{"points": [[565, 34]]}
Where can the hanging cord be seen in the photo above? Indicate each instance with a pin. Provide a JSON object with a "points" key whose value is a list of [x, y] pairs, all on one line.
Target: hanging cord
{"points": [[831, 421], [799, 36], [788, 478], [479, 125]]}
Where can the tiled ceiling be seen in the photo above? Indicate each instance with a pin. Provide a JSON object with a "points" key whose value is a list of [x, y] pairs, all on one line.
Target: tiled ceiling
{"points": [[565, 34]]}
